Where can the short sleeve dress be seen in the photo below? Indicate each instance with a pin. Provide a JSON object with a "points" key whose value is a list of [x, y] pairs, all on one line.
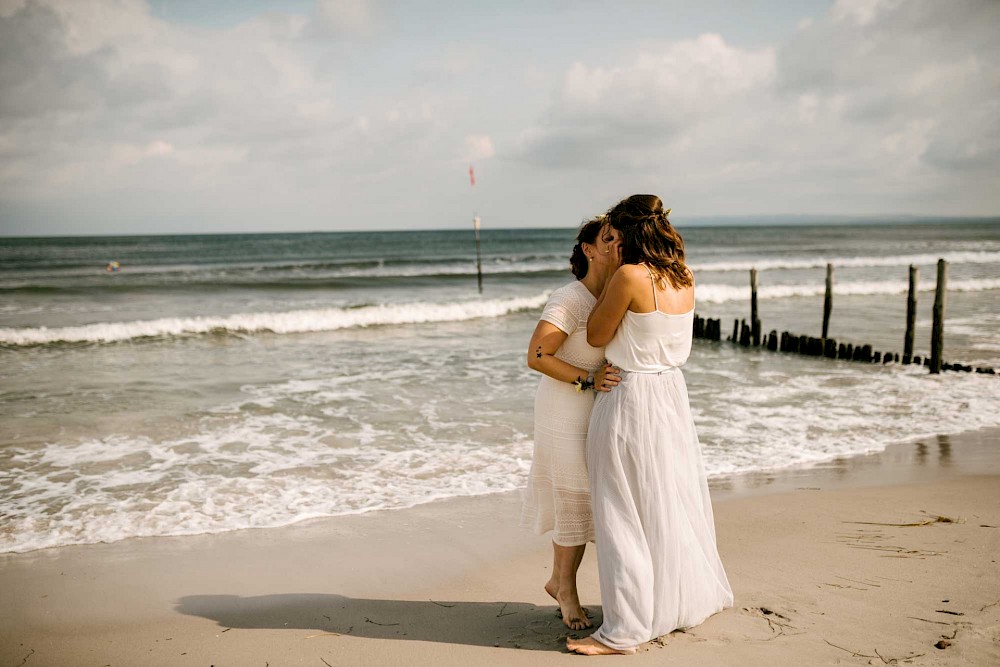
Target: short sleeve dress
{"points": [[557, 497]]}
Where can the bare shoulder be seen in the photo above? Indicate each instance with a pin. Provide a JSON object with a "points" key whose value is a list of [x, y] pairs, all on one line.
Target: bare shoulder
{"points": [[629, 278], [633, 272]]}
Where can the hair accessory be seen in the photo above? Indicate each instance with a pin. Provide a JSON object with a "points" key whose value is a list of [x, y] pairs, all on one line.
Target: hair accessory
{"points": [[667, 212]]}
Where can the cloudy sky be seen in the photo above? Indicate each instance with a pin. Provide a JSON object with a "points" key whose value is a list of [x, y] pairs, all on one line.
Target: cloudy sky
{"points": [[158, 116]]}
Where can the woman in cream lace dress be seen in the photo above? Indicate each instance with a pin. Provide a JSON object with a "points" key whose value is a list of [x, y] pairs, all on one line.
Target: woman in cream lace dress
{"points": [[557, 498]]}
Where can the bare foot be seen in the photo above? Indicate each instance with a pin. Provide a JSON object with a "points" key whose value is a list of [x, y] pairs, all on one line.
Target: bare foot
{"points": [[552, 588], [573, 615], [590, 646]]}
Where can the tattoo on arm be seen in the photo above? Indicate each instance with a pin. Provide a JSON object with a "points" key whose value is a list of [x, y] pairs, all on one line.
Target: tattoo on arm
{"points": [[538, 352]]}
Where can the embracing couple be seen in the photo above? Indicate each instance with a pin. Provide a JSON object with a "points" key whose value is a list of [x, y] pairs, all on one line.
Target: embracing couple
{"points": [[624, 470]]}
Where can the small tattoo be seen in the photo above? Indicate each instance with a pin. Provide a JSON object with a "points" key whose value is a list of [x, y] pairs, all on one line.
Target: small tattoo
{"points": [[538, 352]]}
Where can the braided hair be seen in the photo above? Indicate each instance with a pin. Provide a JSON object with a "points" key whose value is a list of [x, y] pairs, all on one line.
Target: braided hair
{"points": [[648, 237]]}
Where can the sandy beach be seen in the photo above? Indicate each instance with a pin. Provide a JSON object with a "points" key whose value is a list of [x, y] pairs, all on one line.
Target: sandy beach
{"points": [[880, 559]]}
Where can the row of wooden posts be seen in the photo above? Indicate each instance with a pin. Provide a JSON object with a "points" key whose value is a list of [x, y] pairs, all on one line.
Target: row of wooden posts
{"points": [[751, 335]]}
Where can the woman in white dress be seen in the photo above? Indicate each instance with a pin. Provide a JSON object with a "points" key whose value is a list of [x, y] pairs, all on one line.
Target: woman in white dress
{"points": [[557, 498], [659, 565]]}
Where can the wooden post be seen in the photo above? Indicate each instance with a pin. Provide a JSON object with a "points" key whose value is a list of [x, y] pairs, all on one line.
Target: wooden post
{"points": [[479, 257], [754, 320], [911, 315], [828, 301], [937, 330]]}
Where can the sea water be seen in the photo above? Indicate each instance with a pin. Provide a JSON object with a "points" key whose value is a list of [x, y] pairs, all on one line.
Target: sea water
{"points": [[219, 382]]}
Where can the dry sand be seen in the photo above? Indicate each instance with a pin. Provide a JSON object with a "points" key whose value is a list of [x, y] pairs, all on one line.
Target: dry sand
{"points": [[822, 576]]}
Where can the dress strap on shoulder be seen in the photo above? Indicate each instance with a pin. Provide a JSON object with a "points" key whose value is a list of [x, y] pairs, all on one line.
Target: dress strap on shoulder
{"points": [[652, 282]]}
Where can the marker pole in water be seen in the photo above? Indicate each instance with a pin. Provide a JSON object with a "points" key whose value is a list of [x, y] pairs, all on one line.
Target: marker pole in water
{"points": [[475, 224], [479, 258], [911, 316], [937, 330], [828, 301]]}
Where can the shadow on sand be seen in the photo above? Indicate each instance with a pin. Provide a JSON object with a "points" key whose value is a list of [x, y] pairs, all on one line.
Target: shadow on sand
{"points": [[505, 624]]}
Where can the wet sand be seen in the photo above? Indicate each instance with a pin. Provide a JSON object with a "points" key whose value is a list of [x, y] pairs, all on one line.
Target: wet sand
{"points": [[822, 575]]}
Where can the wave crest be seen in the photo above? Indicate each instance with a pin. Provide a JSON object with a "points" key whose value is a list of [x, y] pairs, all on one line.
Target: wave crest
{"points": [[331, 319], [971, 257], [724, 293], [295, 321]]}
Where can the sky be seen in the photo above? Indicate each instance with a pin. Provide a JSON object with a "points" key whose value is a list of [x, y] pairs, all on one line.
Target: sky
{"points": [[180, 116]]}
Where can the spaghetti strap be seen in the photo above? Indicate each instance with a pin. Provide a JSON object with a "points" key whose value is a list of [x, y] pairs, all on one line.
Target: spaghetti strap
{"points": [[652, 283]]}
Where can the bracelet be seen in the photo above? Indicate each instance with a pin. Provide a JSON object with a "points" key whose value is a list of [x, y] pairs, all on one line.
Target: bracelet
{"points": [[584, 385]]}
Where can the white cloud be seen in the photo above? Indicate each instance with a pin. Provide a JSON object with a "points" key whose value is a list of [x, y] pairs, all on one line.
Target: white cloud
{"points": [[688, 77], [87, 80], [631, 114], [350, 17], [129, 154], [862, 12], [872, 107], [478, 147]]}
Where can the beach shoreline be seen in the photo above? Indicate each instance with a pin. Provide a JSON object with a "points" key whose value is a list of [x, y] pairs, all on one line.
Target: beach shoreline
{"points": [[457, 582]]}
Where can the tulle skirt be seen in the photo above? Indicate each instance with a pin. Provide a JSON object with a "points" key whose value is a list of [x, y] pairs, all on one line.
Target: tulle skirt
{"points": [[658, 560]]}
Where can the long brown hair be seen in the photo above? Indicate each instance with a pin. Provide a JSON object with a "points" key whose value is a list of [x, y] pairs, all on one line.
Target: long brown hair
{"points": [[589, 231], [647, 236]]}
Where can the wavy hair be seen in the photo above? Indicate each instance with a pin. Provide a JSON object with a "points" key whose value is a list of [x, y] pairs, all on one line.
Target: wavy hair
{"points": [[589, 231], [648, 237]]}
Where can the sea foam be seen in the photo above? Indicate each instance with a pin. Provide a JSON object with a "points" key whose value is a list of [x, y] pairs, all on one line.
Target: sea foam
{"points": [[971, 257], [294, 321], [242, 468], [332, 319], [709, 293]]}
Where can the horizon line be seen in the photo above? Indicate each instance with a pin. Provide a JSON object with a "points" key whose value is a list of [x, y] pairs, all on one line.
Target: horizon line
{"points": [[720, 221]]}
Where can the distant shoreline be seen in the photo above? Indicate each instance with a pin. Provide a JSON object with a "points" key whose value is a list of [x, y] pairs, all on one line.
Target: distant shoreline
{"points": [[717, 222]]}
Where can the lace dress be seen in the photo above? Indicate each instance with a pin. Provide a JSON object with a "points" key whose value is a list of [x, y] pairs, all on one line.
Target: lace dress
{"points": [[658, 563], [557, 497]]}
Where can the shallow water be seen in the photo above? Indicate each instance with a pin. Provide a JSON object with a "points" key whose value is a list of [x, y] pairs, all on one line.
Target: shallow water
{"points": [[222, 382]]}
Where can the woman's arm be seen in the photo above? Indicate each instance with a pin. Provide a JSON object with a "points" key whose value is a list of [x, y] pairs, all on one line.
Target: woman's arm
{"points": [[545, 341], [611, 306]]}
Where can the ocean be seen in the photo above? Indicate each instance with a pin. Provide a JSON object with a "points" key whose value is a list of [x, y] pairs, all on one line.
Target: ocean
{"points": [[222, 382]]}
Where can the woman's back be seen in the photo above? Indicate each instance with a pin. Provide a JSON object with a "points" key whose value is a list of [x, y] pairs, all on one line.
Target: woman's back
{"points": [[654, 341]]}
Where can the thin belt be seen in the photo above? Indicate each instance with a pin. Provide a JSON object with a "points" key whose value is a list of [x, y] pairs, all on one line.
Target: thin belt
{"points": [[665, 370]]}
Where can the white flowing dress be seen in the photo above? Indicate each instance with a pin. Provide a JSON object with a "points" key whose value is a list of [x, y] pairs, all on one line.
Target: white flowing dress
{"points": [[658, 563], [557, 497]]}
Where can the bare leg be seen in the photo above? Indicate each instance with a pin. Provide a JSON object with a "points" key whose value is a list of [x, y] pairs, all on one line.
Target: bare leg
{"points": [[566, 562], [552, 585], [590, 646], [576, 568]]}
